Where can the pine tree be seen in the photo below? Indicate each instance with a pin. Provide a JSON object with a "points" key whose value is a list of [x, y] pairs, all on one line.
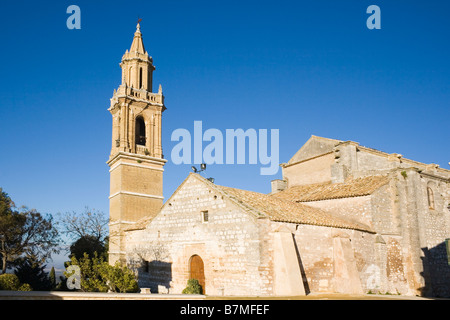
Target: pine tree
{"points": [[52, 278], [30, 271]]}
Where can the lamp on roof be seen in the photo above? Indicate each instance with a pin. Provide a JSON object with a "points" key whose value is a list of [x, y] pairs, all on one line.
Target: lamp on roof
{"points": [[202, 168]]}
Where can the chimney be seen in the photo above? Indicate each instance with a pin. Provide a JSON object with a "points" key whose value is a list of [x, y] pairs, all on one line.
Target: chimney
{"points": [[278, 185]]}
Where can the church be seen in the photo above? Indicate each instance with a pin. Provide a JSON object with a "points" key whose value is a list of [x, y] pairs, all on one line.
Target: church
{"points": [[344, 218]]}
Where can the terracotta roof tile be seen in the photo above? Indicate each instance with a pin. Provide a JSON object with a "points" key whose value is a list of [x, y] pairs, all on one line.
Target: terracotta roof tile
{"points": [[281, 210], [350, 188]]}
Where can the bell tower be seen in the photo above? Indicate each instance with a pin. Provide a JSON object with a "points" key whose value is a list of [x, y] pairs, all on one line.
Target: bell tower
{"points": [[136, 161]]}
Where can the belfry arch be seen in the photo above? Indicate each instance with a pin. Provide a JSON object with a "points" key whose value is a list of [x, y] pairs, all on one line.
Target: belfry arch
{"points": [[141, 137]]}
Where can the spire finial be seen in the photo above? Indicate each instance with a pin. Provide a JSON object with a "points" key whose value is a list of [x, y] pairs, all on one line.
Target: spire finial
{"points": [[138, 45]]}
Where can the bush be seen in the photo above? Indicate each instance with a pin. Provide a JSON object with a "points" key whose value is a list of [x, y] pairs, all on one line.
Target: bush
{"points": [[25, 287], [9, 282], [98, 276], [119, 278], [193, 287]]}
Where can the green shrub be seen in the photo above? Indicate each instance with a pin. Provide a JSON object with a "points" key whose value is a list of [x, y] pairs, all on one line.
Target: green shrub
{"points": [[119, 278], [25, 287], [193, 287], [9, 282], [98, 276]]}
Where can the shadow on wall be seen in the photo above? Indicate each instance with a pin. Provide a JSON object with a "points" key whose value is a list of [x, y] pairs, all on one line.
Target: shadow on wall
{"points": [[156, 275], [302, 269], [436, 272]]}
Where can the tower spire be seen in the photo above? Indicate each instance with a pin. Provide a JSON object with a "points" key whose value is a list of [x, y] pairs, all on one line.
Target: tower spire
{"points": [[137, 65], [138, 43]]}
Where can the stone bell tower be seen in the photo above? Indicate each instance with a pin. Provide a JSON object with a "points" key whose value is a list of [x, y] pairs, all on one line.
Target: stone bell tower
{"points": [[136, 161]]}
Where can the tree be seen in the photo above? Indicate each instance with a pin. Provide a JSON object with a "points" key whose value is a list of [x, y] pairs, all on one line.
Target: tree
{"points": [[87, 244], [89, 232], [25, 233], [6, 222], [52, 278], [90, 223], [33, 273], [5, 202]]}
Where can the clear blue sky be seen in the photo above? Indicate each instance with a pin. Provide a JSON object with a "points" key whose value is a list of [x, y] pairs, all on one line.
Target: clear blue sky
{"points": [[303, 67]]}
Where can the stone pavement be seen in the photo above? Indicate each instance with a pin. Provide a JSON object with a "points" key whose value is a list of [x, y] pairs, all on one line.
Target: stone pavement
{"points": [[61, 295]]}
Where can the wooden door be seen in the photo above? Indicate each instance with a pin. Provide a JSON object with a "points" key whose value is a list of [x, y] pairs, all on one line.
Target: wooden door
{"points": [[197, 271]]}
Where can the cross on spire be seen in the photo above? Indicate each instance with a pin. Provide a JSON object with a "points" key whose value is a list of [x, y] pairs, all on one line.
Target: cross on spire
{"points": [[138, 27]]}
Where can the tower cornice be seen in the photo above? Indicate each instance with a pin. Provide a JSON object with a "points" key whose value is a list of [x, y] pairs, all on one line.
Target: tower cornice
{"points": [[135, 56], [133, 156], [137, 95]]}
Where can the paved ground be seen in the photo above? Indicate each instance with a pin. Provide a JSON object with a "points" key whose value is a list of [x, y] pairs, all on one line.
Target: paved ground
{"points": [[33, 295], [65, 295], [326, 297]]}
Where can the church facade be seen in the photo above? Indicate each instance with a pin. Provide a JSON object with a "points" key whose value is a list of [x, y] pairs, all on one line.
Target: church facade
{"points": [[344, 218]]}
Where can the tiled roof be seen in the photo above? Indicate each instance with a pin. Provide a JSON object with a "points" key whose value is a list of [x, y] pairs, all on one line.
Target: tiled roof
{"points": [[281, 210], [322, 191], [274, 208]]}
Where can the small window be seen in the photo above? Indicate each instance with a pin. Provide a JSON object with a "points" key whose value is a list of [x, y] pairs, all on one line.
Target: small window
{"points": [[205, 217], [430, 195]]}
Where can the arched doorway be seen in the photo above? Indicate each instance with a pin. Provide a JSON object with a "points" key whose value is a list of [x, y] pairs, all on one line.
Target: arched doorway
{"points": [[197, 271]]}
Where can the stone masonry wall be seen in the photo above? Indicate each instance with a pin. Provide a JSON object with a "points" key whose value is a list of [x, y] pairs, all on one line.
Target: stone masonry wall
{"points": [[434, 229], [315, 170], [422, 232], [354, 208], [229, 244], [315, 246]]}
